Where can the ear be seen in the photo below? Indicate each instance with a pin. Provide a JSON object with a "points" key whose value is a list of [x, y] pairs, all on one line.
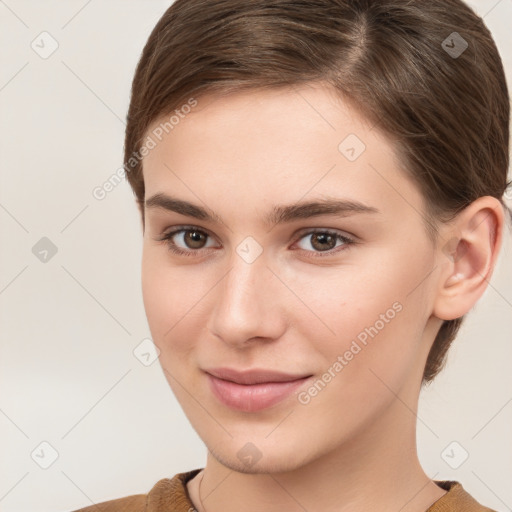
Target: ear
{"points": [[468, 249]]}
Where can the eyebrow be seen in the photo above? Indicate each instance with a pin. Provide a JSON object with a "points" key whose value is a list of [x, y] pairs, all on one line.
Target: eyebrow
{"points": [[279, 214]]}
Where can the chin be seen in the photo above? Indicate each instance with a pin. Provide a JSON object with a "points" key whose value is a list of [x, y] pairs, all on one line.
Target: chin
{"points": [[260, 455], [268, 463]]}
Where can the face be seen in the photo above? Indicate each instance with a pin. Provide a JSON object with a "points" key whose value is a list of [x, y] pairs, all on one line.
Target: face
{"points": [[337, 292]]}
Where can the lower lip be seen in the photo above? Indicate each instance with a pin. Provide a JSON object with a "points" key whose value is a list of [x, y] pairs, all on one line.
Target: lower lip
{"points": [[253, 397]]}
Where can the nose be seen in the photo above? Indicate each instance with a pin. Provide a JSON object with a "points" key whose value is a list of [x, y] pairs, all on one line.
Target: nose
{"points": [[249, 304]]}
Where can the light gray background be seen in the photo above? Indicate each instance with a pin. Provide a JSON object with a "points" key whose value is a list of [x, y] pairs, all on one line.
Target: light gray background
{"points": [[68, 374]]}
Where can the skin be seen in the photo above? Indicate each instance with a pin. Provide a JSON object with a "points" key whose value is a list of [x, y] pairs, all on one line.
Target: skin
{"points": [[353, 446]]}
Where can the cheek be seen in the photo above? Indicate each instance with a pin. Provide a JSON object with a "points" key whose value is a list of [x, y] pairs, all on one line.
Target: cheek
{"points": [[351, 298], [367, 363], [378, 318], [174, 301], [164, 296]]}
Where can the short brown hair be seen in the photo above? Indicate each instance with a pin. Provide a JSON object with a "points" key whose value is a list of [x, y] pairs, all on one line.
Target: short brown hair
{"points": [[428, 74]]}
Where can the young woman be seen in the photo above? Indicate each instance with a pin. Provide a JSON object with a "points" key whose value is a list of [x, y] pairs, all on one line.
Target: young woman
{"points": [[320, 186]]}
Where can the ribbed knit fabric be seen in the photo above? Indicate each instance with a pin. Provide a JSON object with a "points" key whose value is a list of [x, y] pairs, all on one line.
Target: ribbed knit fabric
{"points": [[171, 495]]}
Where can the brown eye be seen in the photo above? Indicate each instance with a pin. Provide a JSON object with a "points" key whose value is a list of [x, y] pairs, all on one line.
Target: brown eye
{"points": [[187, 241], [323, 241], [194, 239]]}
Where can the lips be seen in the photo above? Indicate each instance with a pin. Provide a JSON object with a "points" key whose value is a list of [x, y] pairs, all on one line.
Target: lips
{"points": [[253, 376], [252, 390]]}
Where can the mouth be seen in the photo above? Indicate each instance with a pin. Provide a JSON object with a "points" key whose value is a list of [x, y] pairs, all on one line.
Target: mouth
{"points": [[252, 390]]}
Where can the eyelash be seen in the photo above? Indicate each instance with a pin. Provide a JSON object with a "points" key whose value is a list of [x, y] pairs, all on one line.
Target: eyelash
{"points": [[316, 254]]}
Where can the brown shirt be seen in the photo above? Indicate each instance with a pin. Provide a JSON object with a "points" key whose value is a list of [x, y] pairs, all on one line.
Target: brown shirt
{"points": [[171, 495]]}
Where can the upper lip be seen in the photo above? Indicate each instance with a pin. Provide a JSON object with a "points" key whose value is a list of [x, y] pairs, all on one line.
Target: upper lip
{"points": [[253, 376]]}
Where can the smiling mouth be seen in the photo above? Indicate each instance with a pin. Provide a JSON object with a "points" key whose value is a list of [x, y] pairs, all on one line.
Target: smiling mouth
{"points": [[252, 397], [253, 375]]}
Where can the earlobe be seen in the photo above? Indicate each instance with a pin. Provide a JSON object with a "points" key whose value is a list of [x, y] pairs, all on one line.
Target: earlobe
{"points": [[468, 258]]}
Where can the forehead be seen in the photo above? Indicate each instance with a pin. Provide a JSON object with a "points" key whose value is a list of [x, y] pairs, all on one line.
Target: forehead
{"points": [[273, 145], [256, 116]]}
